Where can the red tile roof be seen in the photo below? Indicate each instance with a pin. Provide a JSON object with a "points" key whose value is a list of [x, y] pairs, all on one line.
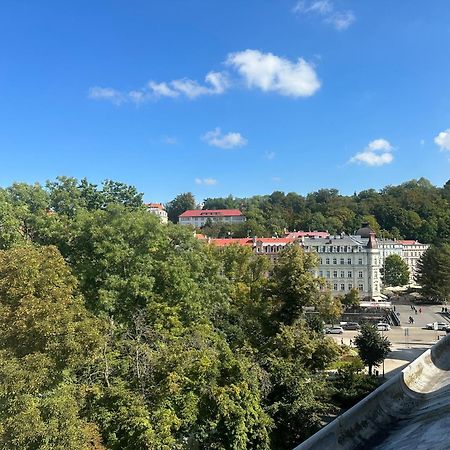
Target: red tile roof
{"points": [[231, 241], [155, 205], [284, 240], [211, 213], [408, 242]]}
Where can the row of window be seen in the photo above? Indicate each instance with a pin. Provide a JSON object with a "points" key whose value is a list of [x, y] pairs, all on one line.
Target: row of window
{"points": [[341, 261], [334, 248], [341, 287], [342, 274]]}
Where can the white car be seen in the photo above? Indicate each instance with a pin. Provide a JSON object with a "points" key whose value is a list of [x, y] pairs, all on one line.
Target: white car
{"points": [[436, 326], [334, 330], [381, 326]]}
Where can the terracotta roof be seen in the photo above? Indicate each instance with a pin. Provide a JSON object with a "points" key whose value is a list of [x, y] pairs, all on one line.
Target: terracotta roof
{"points": [[155, 205], [211, 213], [408, 242], [285, 240], [231, 241]]}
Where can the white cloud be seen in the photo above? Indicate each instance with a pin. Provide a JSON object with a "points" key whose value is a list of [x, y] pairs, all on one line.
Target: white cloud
{"points": [[443, 140], [206, 181], [265, 71], [215, 83], [325, 9], [169, 140], [269, 72], [112, 95], [230, 140], [269, 155], [377, 153]]}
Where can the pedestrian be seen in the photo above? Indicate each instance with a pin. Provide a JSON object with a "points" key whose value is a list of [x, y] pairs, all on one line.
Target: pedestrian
{"points": [[442, 309], [394, 308], [342, 341], [412, 320], [415, 311], [351, 342], [420, 310]]}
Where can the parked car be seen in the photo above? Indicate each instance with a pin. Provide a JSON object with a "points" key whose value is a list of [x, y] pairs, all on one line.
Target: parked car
{"points": [[351, 326], [382, 326], [334, 330], [441, 326]]}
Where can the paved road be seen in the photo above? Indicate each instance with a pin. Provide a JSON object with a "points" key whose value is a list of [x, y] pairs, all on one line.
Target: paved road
{"points": [[409, 341]]}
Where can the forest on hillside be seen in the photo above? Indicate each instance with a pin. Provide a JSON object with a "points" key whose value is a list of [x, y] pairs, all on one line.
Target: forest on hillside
{"points": [[415, 209], [119, 332]]}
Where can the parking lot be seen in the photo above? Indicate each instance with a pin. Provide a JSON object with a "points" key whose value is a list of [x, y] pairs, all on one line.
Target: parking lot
{"points": [[408, 340]]}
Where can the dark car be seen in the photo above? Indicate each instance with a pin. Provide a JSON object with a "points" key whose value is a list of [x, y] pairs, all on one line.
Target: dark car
{"points": [[351, 326]]}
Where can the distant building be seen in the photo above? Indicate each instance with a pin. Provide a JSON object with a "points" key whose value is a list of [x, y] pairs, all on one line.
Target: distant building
{"points": [[412, 252], [199, 217], [299, 234], [159, 210]]}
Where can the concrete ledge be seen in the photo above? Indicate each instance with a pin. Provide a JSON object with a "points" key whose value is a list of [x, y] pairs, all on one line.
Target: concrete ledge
{"points": [[415, 390]]}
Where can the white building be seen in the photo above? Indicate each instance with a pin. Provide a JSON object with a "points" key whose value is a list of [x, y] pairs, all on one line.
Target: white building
{"points": [[348, 262], [159, 210], [199, 217]]}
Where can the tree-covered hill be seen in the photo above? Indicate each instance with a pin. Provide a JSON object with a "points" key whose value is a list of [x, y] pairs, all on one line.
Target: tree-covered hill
{"points": [[413, 210]]}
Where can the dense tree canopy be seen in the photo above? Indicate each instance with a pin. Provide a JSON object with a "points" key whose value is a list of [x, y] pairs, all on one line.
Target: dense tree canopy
{"points": [[395, 271], [434, 273], [119, 332], [413, 210]]}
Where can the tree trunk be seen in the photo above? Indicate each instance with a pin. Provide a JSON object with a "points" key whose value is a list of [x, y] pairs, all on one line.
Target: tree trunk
{"points": [[370, 369]]}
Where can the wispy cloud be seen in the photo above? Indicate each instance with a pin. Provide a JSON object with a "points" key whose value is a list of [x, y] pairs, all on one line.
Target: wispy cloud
{"points": [[269, 155], [169, 140], [272, 73], [326, 10], [230, 140], [265, 71], [442, 140], [215, 83], [206, 181], [377, 153]]}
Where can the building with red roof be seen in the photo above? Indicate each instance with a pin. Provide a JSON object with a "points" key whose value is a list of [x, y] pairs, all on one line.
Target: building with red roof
{"points": [[199, 217], [159, 210]]}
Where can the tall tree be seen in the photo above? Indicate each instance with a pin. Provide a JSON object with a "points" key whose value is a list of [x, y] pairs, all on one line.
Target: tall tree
{"points": [[434, 273], [179, 205], [373, 348], [395, 271]]}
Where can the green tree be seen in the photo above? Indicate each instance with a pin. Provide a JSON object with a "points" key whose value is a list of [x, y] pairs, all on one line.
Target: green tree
{"points": [[395, 271], [373, 348], [351, 299], [434, 273], [179, 205], [48, 345]]}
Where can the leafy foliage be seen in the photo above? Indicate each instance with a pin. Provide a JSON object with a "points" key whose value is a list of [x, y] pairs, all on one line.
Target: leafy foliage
{"points": [[373, 348], [395, 271]]}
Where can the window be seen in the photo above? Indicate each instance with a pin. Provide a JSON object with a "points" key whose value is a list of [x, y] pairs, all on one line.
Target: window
{"points": [[349, 274], [350, 286], [321, 273], [376, 286], [360, 261], [342, 261], [360, 287], [349, 261], [342, 287], [321, 261], [335, 287], [334, 273], [342, 274], [334, 261], [360, 274], [375, 275], [327, 261]]}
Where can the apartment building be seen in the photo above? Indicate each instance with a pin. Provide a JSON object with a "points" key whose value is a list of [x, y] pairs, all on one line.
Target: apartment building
{"points": [[199, 217]]}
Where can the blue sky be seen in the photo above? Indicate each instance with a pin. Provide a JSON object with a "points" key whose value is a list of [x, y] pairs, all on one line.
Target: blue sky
{"points": [[218, 97]]}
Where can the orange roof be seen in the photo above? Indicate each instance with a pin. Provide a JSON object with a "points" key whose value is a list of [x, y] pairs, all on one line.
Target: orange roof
{"points": [[231, 241], [285, 240], [155, 205], [408, 242]]}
